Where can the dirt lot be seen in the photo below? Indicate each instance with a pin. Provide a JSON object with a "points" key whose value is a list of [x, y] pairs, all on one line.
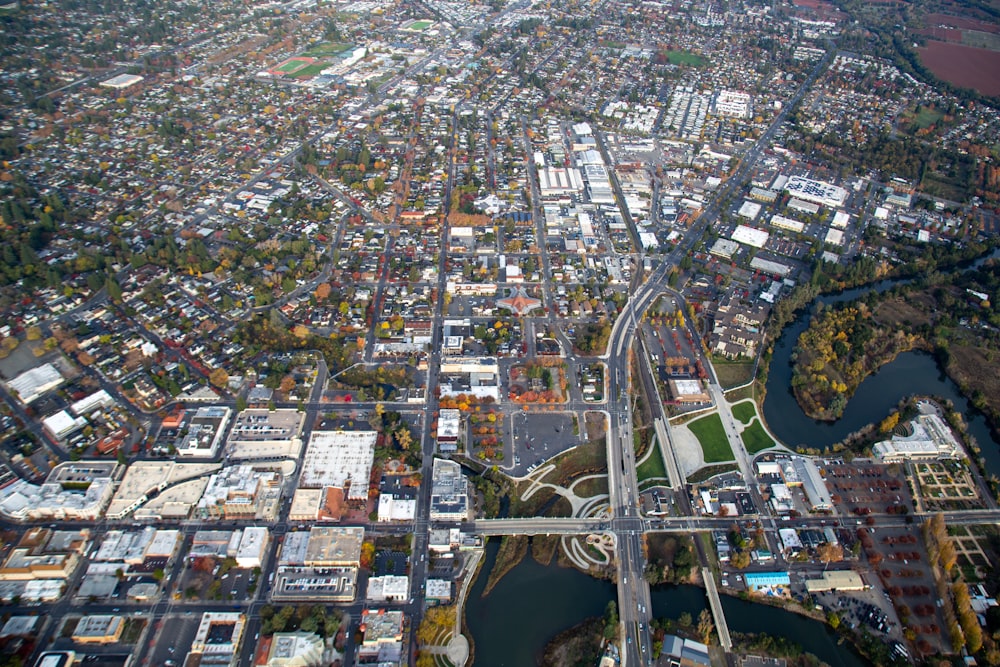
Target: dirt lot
{"points": [[963, 65]]}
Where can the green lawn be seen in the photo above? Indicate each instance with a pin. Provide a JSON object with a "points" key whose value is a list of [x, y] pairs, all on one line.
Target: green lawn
{"points": [[756, 438], [927, 116], [291, 65], [310, 71], [421, 25], [712, 437], [327, 49], [652, 466], [685, 58], [744, 411]]}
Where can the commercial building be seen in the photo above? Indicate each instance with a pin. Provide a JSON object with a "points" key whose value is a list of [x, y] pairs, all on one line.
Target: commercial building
{"points": [[241, 492], [750, 236], [259, 434], [330, 546], [438, 591], [204, 432], [253, 547], [217, 641], [449, 423], [341, 459], [99, 629], [839, 580], [449, 492], [391, 508], [807, 474], [30, 385], [555, 182], [61, 425], [688, 392], [44, 554], [787, 224], [762, 581], [931, 438], [122, 81], [78, 490], [818, 192], [296, 649], [383, 637], [389, 588]]}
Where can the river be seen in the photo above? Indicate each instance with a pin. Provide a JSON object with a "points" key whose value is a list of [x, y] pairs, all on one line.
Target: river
{"points": [[909, 374], [533, 603]]}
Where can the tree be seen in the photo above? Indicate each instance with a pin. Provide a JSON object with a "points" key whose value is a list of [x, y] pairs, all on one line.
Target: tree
{"points": [[830, 552], [367, 554], [219, 378], [705, 626]]}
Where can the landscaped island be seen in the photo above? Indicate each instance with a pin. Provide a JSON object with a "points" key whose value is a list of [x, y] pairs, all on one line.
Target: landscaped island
{"points": [[952, 315]]}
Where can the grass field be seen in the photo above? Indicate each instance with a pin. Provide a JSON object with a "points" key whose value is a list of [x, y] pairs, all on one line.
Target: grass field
{"points": [[293, 64], [744, 411], [327, 49], [712, 437], [733, 373], [685, 58], [927, 116], [589, 488], [652, 467], [421, 25], [310, 71], [710, 471], [756, 438]]}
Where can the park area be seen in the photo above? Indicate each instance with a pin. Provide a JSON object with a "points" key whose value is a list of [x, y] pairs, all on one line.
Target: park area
{"points": [[712, 437]]}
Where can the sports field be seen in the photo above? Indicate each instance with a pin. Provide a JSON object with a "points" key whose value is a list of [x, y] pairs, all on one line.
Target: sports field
{"points": [[292, 65], [421, 25]]}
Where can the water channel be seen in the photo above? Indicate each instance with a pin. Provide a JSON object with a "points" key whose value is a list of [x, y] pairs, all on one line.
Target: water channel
{"points": [[533, 603], [909, 374]]}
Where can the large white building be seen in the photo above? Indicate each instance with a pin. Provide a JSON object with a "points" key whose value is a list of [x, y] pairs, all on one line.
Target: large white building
{"points": [[30, 385], [818, 192], [931, 439], [750, 236], [731, 103], [449, 492], [341, 459]]}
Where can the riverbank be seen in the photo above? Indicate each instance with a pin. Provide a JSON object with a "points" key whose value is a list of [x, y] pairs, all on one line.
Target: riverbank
{"points": [[513, 548]]}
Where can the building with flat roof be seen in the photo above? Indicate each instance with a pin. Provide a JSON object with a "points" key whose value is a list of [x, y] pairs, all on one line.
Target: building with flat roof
{"points": [[391, 508], [99, 629], [334, 546], [327, 584], [813, 484], [340, 459], [449, 492], [838, 580], [204, 432], [688, 391], [449, 422], [438, 590], [62, 424], [757, 581], [296, 649], [21, 626], [750, 236], [931, 438], [218, 638], [389, 588], [78, 490], [265, 434], [122, 81], [383, 637], [819, 192], [33, 383], [253, 547], [241, 492]]}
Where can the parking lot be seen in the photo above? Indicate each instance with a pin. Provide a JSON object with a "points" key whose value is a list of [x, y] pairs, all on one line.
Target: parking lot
{"points": [[539, 436], [866, 489]]}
